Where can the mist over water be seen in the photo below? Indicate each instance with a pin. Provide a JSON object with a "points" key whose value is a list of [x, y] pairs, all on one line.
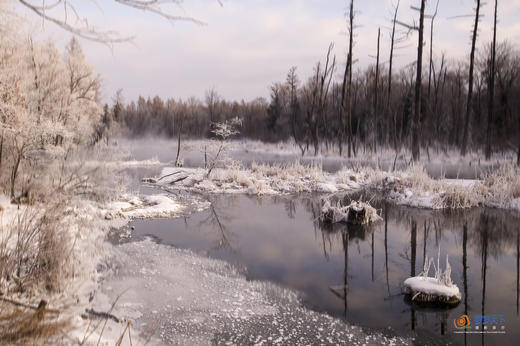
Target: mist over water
{"points": [[246, 152]]}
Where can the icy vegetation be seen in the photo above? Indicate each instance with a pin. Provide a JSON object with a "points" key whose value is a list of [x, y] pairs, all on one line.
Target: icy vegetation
{"points": [[259, 180], [212, 303], [412, 187], [357, 212], [437, 289]]}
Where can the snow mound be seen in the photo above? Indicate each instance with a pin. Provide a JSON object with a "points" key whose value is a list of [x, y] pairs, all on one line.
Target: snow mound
{"points": [[437, 289], [431, 287], [144, 207]]}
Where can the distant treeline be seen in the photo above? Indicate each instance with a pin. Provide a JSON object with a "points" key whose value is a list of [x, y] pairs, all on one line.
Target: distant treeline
{"points": [[311, 113]]}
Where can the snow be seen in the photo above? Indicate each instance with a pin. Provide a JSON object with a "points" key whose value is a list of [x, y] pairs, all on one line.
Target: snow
{"points": [[259, 180], [143, 207], [439, 288], [186, 299], [431, 286]]}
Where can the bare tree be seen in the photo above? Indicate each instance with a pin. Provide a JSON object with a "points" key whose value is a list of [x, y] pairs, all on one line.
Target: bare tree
{"points": [[294, 108], [316, 94], [349, 69], [212, 101], [491, 86], [70, 20], [470, 80], [376, 89], [390, 66], [416, 126], [431, 49]]}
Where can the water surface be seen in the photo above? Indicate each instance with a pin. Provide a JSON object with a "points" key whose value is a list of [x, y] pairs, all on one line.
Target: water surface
{"points": [[356, 274]]}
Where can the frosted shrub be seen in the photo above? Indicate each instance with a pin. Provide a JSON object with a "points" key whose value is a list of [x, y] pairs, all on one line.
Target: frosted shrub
{"points": [[417, 179], [502, 185], [34, 251], [458, 197], [222, 131]]}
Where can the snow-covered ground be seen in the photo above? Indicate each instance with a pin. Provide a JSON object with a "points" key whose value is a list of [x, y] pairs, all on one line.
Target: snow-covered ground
{"points": [[143, 207], [177, 297]]}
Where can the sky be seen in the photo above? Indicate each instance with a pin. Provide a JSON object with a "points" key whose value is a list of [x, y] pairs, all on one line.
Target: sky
{"points": [[246, 45]]}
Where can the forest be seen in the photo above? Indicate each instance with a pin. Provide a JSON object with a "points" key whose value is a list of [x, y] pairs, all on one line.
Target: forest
{"points": [[464, 104]]}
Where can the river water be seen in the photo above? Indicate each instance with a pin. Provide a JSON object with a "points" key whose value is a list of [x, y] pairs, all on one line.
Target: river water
{"points": [[355, 274]]}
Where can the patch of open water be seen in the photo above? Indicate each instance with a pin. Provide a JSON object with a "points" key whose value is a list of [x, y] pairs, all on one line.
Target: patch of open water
{"points": [[356, 274]]}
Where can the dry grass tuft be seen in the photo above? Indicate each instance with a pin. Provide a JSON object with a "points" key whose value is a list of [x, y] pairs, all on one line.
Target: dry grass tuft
{"points": [[31, 327], [34, 250], [502, 185]]}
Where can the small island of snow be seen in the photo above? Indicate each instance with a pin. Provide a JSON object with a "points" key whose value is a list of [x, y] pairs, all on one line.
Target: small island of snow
{"points": [[438, 289]]}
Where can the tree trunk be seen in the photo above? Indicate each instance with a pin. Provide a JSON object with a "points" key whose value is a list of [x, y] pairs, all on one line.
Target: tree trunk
{"points": [[342, 109], [14, 172], [391, 59], [431, 50], [491, 101], [178, 143], [349, 62], [1, 150], [416, 154], [470, 82], [376, 87]]}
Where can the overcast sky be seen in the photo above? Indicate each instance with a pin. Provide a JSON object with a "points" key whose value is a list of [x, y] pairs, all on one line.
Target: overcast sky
{"points": [[249, 44]]}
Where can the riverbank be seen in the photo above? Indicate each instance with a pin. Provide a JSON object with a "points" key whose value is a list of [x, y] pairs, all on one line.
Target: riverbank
{"points": [[411, 187]]}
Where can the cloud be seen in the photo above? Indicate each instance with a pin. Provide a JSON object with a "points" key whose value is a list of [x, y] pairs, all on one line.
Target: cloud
{"points": [[249, 44]]}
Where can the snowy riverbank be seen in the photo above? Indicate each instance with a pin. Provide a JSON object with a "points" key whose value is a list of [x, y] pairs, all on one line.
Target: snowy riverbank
{"points": [[411, 187]]}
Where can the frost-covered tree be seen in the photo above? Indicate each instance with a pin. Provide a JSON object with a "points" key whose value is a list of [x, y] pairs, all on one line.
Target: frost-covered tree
{"points": [[48, 102]]}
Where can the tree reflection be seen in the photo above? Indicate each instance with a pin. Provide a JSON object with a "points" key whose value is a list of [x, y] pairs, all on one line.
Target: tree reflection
{"points": [[217, 218], [386, 248]]}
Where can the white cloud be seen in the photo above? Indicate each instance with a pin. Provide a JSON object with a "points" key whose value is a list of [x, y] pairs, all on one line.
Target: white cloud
{"points": [[249, 44]]}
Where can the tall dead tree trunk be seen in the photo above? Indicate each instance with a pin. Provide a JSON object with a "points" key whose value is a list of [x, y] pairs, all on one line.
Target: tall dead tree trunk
{"points": [[177, 163], [416, 128], [470, 81], [376, 88], [342, 110], [390, 66], [491, 101], [431, 50], [324, 87], [349, 62]]}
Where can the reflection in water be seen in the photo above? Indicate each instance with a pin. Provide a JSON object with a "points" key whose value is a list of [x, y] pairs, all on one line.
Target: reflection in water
{"points": [[413, 246], [340, 269]]}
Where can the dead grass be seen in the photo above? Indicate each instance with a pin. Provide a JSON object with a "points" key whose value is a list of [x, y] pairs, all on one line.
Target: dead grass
{"points": [[34, 250], [502, 185], [40, 326]]}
